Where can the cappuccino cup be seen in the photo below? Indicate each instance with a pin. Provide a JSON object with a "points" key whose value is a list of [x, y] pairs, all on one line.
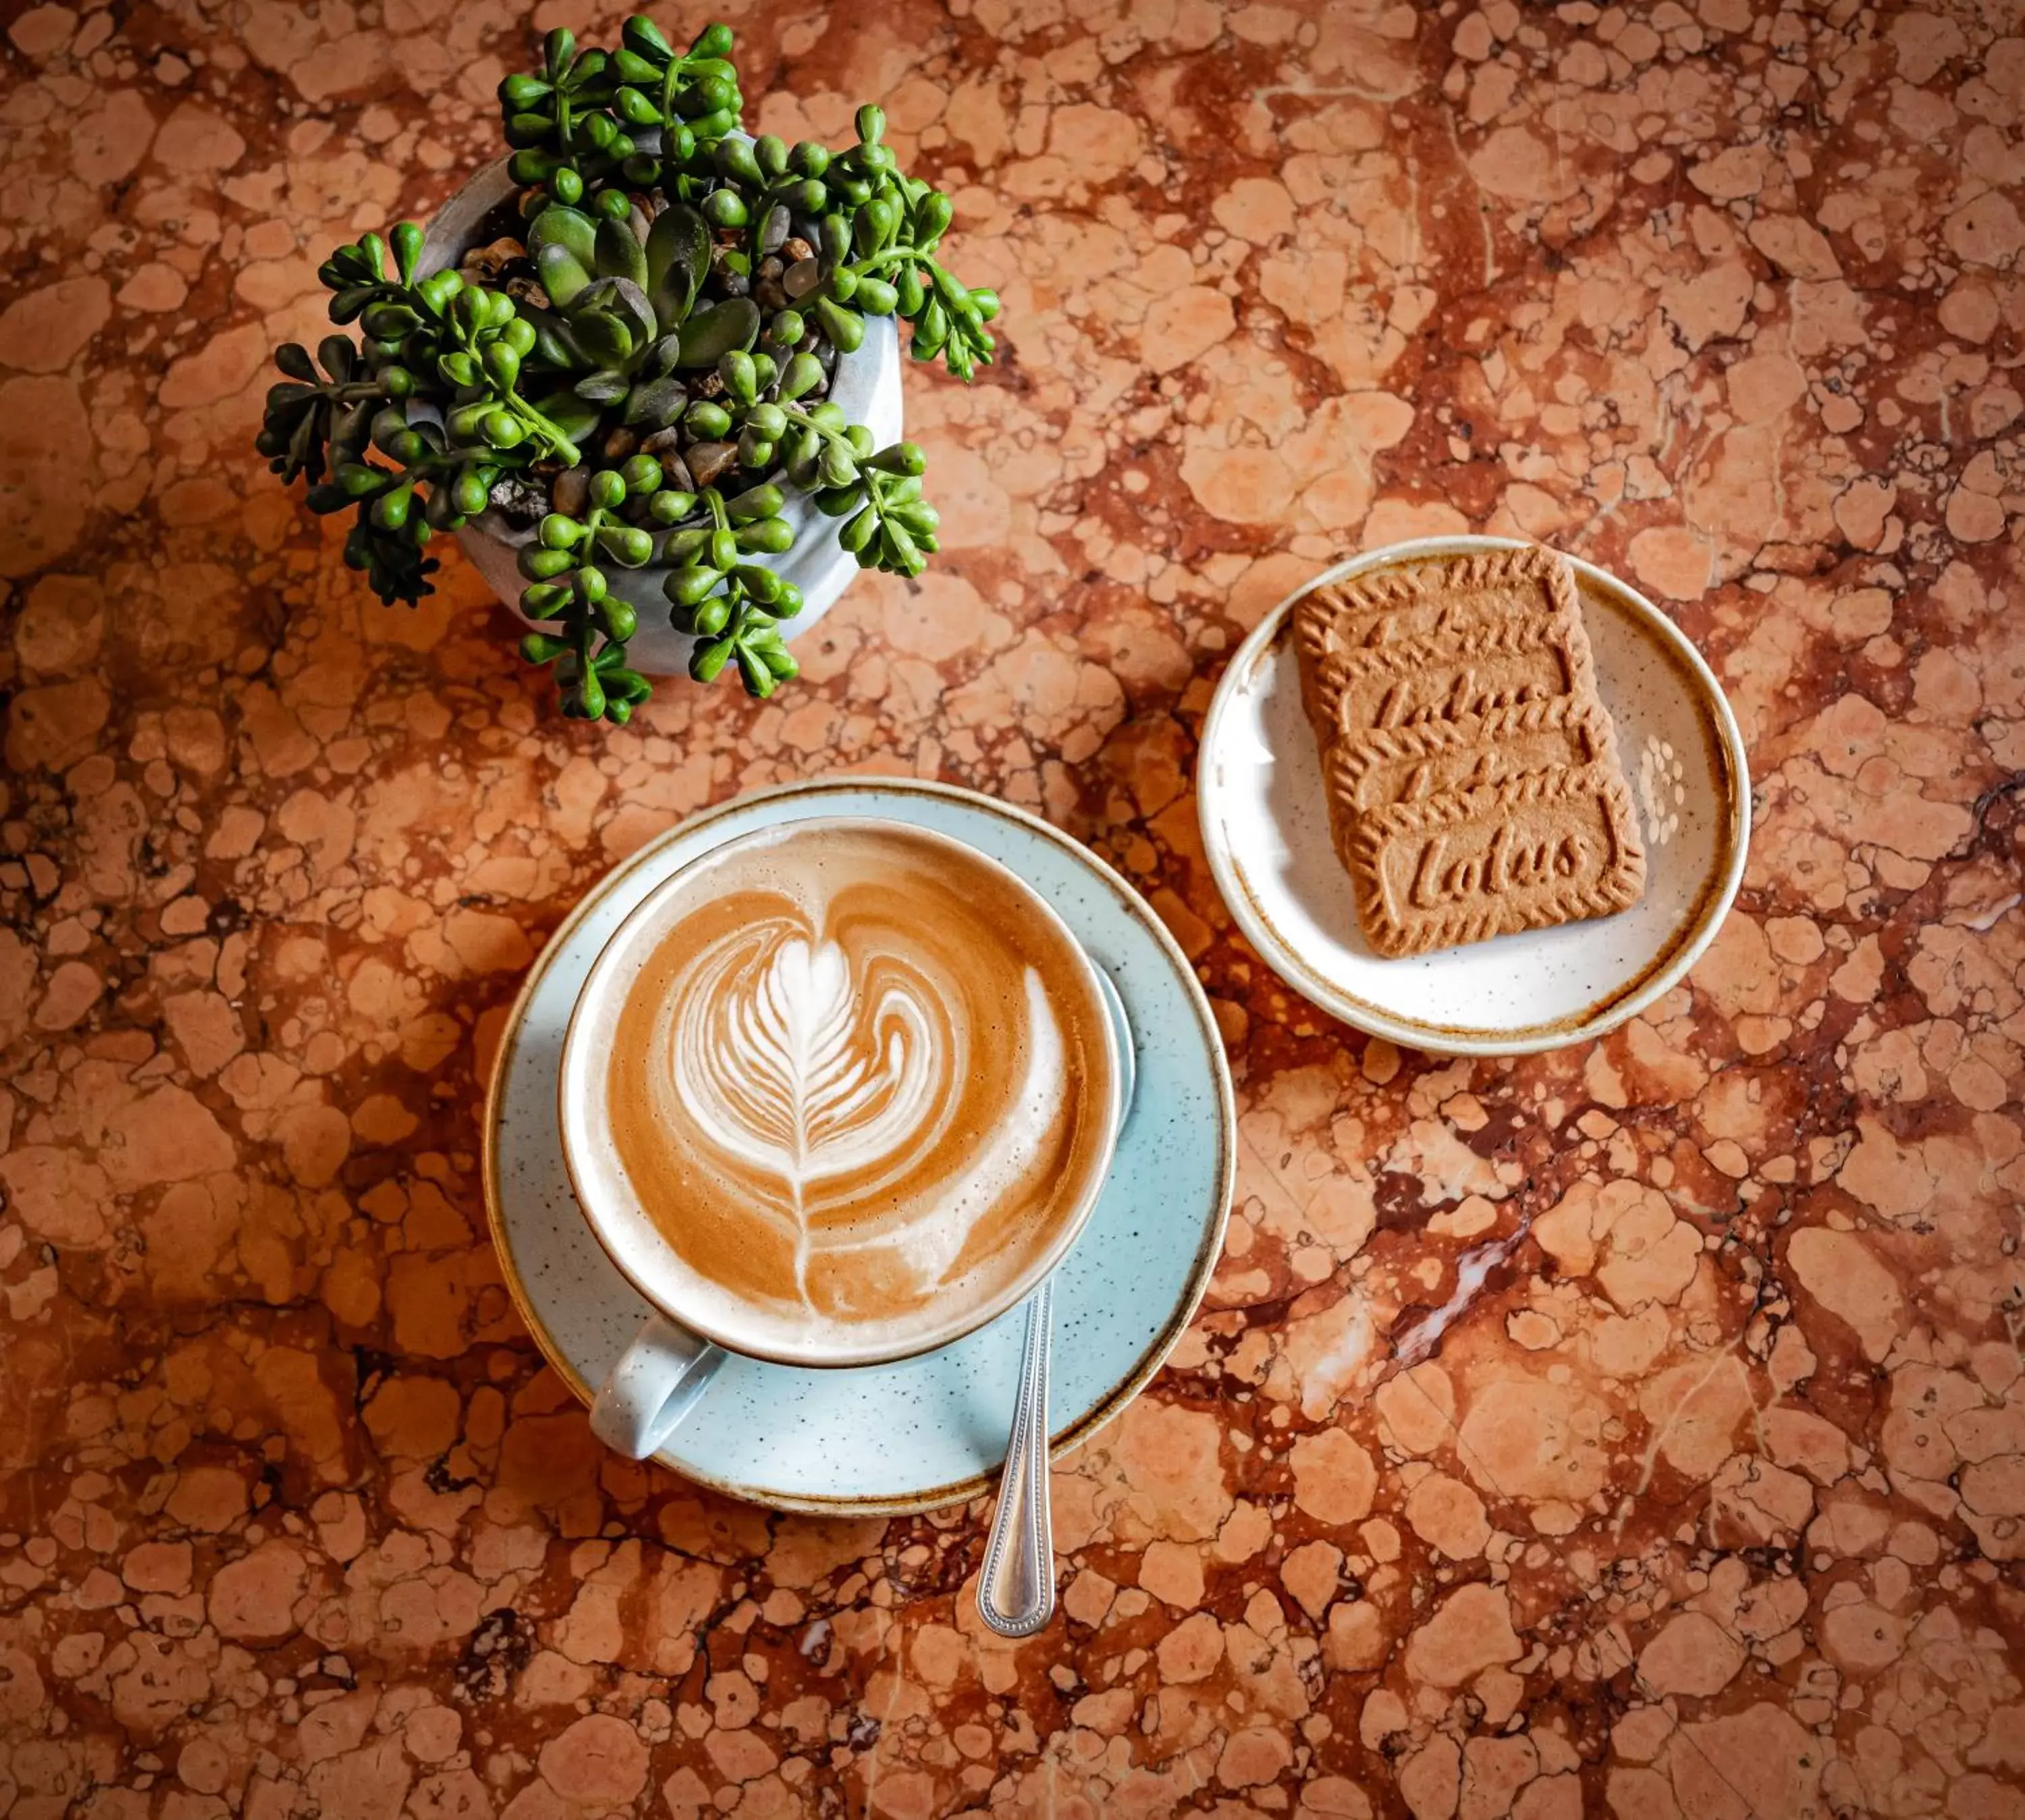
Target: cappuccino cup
{"points": [[836, 1093]]}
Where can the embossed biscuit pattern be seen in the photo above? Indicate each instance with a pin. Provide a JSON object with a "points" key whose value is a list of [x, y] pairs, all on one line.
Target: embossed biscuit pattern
{"points": [[1383, 706], [1393, 655], [1342, 615], [1378, 769], [1433, 685], [1532, 811], [1344, 692]]}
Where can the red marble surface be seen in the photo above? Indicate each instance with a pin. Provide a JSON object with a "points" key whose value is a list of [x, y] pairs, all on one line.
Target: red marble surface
{"points": [[1637, 1430]]}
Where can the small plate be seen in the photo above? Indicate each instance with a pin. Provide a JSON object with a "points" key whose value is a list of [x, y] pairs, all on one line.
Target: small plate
{"points": [[1266, 827], [887, 1439]]}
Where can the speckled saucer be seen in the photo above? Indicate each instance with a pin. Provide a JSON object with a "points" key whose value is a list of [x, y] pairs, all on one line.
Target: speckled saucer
{"points": [[1266, 827], [884, 1439]]}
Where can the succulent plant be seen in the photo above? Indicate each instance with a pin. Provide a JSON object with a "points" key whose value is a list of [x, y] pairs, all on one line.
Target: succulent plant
{"points": [[642, 368]]}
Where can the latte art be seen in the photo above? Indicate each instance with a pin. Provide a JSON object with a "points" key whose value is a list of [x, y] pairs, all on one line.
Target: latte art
{"points": [[856, 1084], [822, 1086], [778, 1059]]}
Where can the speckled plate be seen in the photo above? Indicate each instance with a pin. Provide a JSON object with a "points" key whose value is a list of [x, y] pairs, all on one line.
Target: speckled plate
{"points": [[1266, 827], [884, 1440]]}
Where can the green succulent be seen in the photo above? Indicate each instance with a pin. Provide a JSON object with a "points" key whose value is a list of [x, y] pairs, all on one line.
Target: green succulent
{"points": [[653, 357], [314, 418], [584, 117], [625, 323], [733, 604], [565, 570]]}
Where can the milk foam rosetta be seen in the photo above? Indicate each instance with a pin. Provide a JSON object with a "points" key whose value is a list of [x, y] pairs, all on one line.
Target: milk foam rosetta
{"points": [[857, 1081]]}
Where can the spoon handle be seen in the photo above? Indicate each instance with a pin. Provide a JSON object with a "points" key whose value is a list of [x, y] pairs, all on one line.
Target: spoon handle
{"points": [[1016, 1592]]}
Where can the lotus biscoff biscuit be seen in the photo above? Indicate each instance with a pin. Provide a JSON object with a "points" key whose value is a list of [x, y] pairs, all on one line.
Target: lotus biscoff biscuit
{"points": [[1470, 767]]}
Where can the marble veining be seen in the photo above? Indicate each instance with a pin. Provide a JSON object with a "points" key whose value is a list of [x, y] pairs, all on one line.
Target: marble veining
{"points": [[1637, 1429]]}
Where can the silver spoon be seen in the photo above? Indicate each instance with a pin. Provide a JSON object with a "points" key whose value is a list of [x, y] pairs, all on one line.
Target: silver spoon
{"points": [[1016, 1591]]}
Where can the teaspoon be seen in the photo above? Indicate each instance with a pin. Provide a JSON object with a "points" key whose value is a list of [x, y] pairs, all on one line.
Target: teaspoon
{"points": [[1016, 1591]]}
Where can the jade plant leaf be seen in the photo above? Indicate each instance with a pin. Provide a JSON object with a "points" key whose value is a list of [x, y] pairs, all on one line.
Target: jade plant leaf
{"points": [[656, 404], [621, 298], [677, 262], [708, 338], [563, 273], [619, 254], [603, 336], [574, 416], [562, 226]]}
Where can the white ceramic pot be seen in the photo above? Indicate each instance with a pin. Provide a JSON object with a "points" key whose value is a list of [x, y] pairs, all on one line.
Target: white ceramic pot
{"points": [[866, 385]]}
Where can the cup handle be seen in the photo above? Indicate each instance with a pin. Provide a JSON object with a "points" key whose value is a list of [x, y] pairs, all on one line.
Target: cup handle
{"points": [[659, 1379]]}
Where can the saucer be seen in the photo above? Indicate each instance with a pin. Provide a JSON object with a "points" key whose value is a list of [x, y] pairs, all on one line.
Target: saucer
{"points": [[1265, 824], [887, 1439]]}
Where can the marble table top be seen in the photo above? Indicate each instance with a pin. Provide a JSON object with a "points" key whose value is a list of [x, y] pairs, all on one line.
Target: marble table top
{"points": [[1637, 1429]]}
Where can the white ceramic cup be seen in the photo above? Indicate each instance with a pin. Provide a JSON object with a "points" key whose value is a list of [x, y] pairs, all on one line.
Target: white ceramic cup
{"points": [[679, 1348]]}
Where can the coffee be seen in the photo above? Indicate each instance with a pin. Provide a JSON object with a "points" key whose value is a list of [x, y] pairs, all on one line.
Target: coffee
{"points": [[858, 1082]]}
